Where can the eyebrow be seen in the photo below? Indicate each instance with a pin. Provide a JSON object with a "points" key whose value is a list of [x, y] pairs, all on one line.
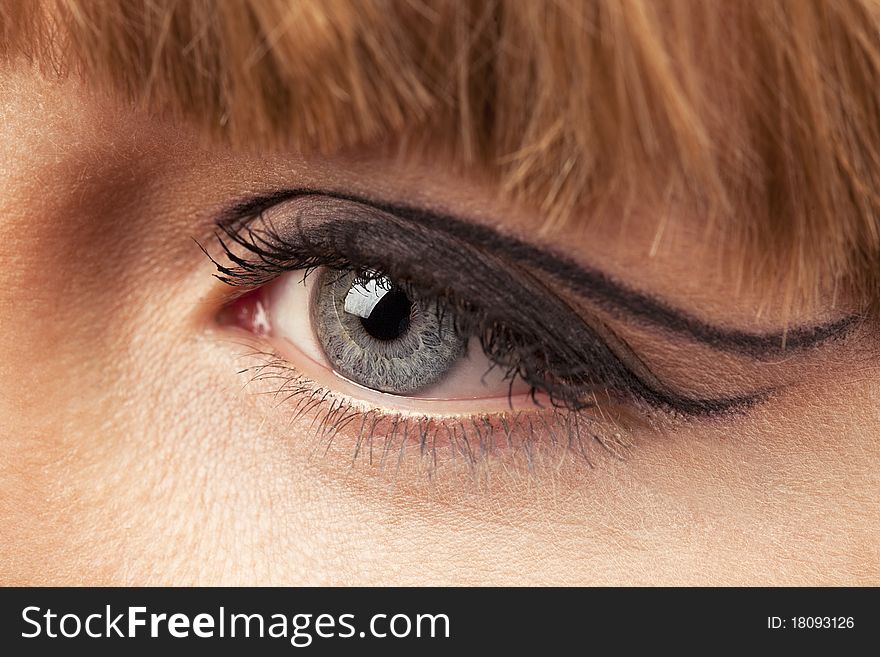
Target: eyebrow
{"points": [[588, 282]]}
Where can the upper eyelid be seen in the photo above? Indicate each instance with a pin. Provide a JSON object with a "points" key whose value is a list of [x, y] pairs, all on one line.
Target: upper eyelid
{"points": [[585, 281]]}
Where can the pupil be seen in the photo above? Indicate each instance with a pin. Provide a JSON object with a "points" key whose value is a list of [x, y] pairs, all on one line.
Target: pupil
{"points": [[390, 317]]}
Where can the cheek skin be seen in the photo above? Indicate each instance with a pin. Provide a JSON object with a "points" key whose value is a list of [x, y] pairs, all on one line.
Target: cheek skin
{"points": [[132, 454]]}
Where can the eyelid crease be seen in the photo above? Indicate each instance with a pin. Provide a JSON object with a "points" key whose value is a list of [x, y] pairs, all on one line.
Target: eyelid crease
{"points": [[588, 282]]}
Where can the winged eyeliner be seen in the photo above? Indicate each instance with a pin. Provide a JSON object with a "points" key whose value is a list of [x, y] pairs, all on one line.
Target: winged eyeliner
{"points": [[586, 281]]}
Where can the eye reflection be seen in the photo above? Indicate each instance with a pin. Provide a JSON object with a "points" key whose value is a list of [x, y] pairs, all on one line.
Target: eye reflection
{"points": [[384, 308]]}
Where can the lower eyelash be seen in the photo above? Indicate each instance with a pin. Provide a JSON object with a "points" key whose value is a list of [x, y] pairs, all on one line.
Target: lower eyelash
{"points": [[384, 438]]}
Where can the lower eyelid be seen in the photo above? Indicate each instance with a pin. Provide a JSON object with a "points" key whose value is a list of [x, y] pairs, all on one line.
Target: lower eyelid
{"points": [[526, 432]]}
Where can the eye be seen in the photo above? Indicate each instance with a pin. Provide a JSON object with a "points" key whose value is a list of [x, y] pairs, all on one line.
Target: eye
{"points": [[377, 334]]}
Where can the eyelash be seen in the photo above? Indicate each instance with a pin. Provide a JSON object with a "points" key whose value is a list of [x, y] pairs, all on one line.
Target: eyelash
{"points": [[472, 439]]}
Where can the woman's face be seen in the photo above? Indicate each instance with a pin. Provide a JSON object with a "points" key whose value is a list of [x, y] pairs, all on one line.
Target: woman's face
{"points": [[162, 426]]}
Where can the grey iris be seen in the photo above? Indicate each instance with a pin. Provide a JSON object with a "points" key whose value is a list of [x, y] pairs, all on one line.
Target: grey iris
{"points": [[376, 336]]}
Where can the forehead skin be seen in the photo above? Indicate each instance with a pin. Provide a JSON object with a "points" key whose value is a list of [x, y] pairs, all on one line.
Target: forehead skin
{"points": [[131, 454]]}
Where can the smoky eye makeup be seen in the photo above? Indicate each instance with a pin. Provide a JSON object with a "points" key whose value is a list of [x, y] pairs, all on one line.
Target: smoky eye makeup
{"points": [[449, 284], [401, 326]]}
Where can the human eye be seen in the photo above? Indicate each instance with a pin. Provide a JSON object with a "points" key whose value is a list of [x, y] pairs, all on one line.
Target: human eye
{"points": [[426, 330]]}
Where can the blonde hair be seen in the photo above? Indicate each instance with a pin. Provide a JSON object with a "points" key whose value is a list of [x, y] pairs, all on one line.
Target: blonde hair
{"points": [[765, 115]]}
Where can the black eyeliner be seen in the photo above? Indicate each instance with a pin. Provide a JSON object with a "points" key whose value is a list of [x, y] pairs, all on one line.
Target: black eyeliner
{"points": [[588, 282]]}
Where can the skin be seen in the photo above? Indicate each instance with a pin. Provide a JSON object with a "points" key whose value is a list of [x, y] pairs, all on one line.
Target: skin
{"points": [[132, 452]]}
